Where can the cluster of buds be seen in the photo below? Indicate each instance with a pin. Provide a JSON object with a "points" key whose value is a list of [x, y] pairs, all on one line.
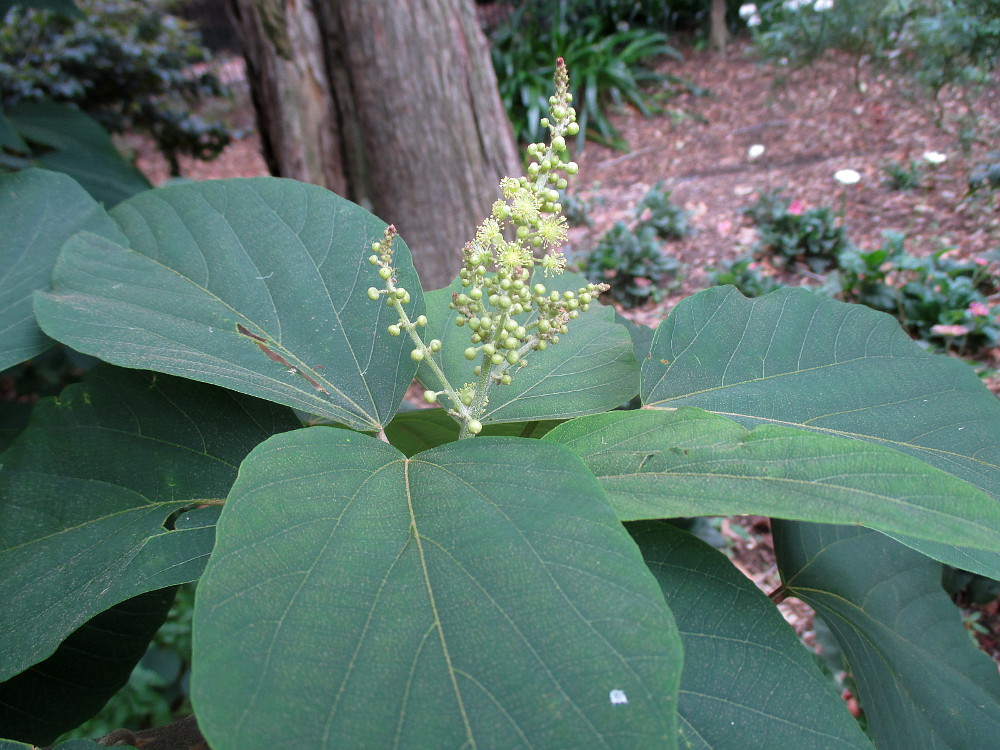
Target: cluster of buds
{"points": [[496, 272]]}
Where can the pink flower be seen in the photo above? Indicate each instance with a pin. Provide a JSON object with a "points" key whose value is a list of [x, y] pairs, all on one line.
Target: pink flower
{"points": [[943, 330], [978, 309], [796, 207], [980, 261]]}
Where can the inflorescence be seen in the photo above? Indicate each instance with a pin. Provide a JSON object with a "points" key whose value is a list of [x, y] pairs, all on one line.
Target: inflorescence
{"points": [[496, 273]]}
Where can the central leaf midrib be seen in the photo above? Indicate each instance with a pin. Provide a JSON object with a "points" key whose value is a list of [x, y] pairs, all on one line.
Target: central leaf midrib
{"points": [[433, 604]]}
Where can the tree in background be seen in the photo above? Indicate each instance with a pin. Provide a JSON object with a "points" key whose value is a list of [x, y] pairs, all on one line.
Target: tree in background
{"points": [[374, 101]]}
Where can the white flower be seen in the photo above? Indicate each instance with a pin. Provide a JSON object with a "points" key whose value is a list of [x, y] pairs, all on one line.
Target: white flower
{"points": [[747, 10], [755, 151], [794, 4], [754, 20], [821, 5], [935, 157], [846, 176]]}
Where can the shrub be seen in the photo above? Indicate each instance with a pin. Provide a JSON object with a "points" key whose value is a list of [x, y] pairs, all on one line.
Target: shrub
{"points": [[633, 260], [929, 44], [126, 63], [936, 298], [788, 231], [612, 67]]}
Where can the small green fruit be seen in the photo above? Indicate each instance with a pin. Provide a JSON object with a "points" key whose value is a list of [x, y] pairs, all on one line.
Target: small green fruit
{"points": [[475, 426]]}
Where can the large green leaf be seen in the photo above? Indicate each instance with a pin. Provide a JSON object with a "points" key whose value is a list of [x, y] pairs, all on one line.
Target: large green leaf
{"points": [[481, 594], [921, 680], [258, 285], [75, 143], [39, 211], [592, 368], [664, 464], [746, 675], [87, 491], [797, 359], [90, 666]]}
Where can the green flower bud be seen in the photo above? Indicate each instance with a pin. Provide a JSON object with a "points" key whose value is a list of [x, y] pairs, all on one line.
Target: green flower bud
{"points": [[475, 426], [435, 345], [505, 379], [572, 129], [394, 330], [384, 272], [559, 143], [478, 370], [430, 397], [372, 293], [572, 167], [511, 343], [466, 398], [513, 357], [470, 353], [496, 359], [509, 325], [476, 294], [373, 259], [541, 346], [417, 355], [421, 320]]}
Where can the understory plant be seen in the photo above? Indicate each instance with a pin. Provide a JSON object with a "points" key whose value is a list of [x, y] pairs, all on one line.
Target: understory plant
{"points": [[502, 571], [633, 261], [613, 67], [789, 232]]}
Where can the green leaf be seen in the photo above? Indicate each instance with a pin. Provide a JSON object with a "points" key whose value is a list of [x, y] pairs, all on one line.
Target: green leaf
{"points": [[9, 137], [746, 675], [258, 285], [664, 464], [922, 682], [797, 359], [87, 491], [39, 211], [591, 369], [423, 429], [481, 594], [80, 147], [90, 666]]}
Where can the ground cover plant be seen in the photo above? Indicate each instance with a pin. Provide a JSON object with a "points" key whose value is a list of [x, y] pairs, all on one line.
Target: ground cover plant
{"points": [[498, 572]]}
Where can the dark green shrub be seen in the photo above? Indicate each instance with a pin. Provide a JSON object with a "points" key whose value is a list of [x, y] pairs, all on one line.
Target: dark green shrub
{"points": [[611, 68], [788, 231], [938, 299], [127, 64], [668, 219], [633, 263]]}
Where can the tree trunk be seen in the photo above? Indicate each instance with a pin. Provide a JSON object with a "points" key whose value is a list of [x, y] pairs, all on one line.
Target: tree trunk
{"points": [[392, 104], [718, 33]]}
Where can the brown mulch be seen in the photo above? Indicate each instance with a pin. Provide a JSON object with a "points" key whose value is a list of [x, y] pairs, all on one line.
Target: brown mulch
{"points": [[811, 122]]}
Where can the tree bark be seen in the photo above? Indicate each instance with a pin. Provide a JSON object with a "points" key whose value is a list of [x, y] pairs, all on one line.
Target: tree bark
{"points": [[718, 33], [392, 104]]}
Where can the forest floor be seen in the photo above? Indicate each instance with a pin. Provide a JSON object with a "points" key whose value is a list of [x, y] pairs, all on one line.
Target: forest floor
{"points": [[811, 122]]}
